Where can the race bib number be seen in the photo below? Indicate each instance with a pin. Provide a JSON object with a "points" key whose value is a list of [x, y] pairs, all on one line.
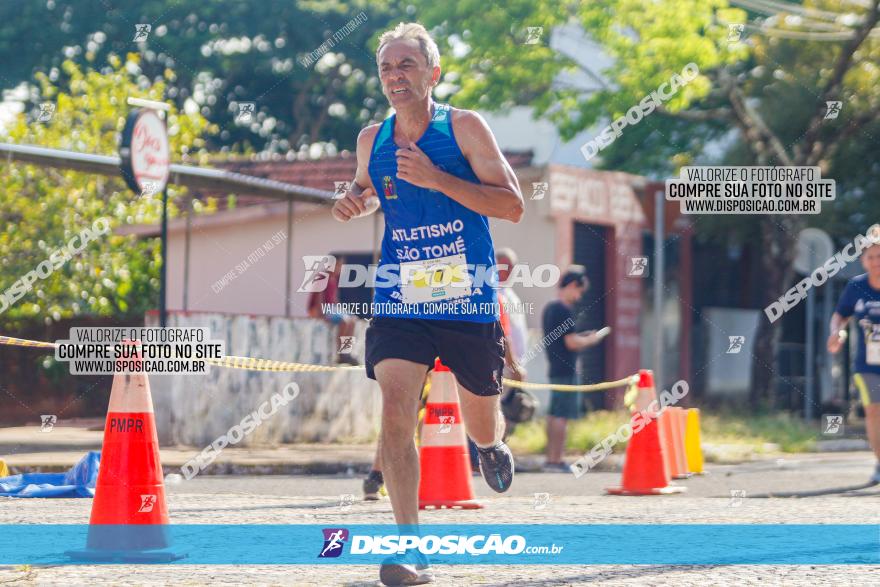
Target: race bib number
{"points": [[435, 280], [872, 343]]}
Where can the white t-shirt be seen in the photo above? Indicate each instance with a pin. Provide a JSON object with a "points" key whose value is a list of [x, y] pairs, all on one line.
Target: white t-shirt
{"points": [[519, 330]]}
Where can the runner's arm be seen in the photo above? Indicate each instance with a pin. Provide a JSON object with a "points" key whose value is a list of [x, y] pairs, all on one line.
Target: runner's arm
{"points": [[517, 371], [497, 196], [360, 200], [838, 332]]}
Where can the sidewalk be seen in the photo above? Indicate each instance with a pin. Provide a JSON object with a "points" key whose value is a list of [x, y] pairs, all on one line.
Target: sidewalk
{"points": [[28, 449]]}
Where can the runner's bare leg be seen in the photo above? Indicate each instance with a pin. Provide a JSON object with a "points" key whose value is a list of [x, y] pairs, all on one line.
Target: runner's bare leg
{"points": [[482, 416], [401, 382], [872, 424]]}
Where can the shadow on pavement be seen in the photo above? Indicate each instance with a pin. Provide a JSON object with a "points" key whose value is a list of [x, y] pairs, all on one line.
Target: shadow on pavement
{"points": [[631, 572], [303, 506], [817, 492]]}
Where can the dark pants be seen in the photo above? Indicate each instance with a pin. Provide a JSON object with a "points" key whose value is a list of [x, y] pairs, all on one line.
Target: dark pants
{"points": [[565, 404]]}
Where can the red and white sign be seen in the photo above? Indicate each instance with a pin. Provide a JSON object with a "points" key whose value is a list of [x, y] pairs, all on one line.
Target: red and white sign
{"points": [[145, 152], [602, 197]]}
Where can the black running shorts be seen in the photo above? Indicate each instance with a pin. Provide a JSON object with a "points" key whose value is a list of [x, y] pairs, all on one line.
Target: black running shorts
{"points": [[474, 351]]}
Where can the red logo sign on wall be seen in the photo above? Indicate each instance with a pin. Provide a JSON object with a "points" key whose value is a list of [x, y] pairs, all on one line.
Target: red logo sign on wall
{"points": [[145, 152]]}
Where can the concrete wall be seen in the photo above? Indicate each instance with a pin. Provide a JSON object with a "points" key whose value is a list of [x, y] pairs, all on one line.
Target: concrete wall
{"points": [[222, 244], [331, 407]]}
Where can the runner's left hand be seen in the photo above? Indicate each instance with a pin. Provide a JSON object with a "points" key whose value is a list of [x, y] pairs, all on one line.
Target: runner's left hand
{"points": [[517, 372], [416, 168]]}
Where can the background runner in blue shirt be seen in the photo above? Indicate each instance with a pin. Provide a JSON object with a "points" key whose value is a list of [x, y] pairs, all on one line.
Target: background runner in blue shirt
{"points": [[860, 302]]}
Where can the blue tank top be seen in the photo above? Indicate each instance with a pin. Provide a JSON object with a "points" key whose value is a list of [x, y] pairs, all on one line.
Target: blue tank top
{"points": [[438, 262]]}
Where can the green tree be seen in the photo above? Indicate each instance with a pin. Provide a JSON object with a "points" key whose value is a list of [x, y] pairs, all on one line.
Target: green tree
{"points": [[223, 52], [771, 89], [42, 209]]}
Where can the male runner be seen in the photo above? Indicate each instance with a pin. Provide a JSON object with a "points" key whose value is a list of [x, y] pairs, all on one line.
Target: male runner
{"points": [[861, 299], [439, 175]]}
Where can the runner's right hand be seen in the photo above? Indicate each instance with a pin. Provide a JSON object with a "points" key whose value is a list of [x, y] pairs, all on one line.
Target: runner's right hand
{"points": [[835, 342], [355, 206]]}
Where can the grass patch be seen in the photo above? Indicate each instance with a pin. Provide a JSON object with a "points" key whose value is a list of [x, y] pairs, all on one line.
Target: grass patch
{"points": [[791, 433], [583, 434]]}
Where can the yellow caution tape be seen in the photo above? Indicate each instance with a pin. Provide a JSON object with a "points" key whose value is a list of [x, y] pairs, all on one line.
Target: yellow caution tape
{"points": [[8, 340], [630, 380], [253, 364], [632, 393]]}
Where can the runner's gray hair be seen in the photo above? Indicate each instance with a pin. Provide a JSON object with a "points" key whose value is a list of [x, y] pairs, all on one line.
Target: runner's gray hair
{"points": [[415, 31]]}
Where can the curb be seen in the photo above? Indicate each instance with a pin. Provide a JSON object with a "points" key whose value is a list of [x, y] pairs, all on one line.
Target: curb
{"points": [[227, 468]]}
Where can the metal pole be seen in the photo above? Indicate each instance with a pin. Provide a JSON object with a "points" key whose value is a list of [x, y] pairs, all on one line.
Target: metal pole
{"points": [[189, 209], [658, 289], [163, 276], [287, 284], [152, 104], [825, 382], [161, 108], [811, 356], [810, 342]]}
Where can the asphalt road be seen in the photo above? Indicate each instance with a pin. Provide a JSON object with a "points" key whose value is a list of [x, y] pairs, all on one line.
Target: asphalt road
{"points": [[319, 500], [806, 473]]}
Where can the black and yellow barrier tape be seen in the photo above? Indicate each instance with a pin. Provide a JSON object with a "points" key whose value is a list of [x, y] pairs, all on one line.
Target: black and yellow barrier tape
{"points": [[254, 364]]}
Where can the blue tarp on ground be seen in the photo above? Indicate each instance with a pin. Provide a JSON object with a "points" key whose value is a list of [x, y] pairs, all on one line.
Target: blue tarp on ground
{"points": [[77, 482]]}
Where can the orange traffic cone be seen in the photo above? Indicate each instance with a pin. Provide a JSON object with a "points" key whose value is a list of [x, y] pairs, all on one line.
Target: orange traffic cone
{"points": [[667, 440], [129, 520], [644, 472], [443, 454], [681, 415], [675, 430]]}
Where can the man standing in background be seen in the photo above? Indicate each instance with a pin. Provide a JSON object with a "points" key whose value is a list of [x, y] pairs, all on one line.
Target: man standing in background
{"points": [[345, 322], [562, 358]]}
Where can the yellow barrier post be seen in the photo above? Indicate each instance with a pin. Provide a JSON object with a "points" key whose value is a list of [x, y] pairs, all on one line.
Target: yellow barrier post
{"points": [[692, 442]]}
